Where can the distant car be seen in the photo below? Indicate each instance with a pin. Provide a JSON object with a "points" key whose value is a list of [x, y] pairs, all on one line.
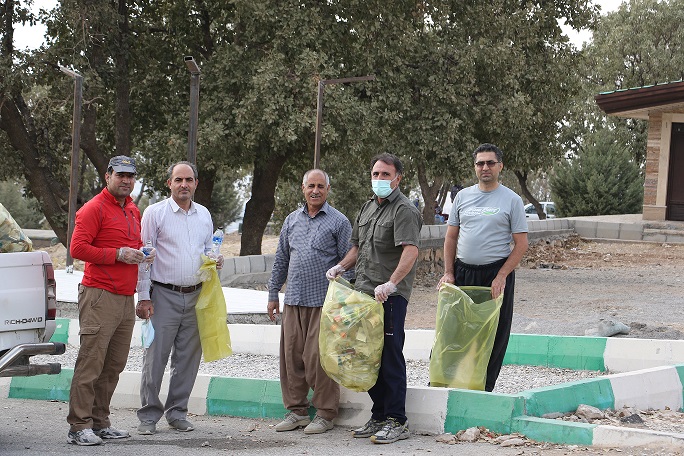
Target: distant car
{"points": [[548, 207]]}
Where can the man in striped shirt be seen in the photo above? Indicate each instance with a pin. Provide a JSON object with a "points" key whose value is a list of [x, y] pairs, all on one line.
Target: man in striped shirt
{"points": [[312, 240], [181, 231]]}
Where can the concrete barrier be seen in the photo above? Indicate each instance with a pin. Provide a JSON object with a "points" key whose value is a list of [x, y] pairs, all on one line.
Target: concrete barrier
{"points": [[257, 268], [438, 410]]}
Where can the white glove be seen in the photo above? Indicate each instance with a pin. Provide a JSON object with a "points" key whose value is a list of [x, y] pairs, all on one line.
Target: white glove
{"points": [[383, 291], [130, 256], [334, 272]]}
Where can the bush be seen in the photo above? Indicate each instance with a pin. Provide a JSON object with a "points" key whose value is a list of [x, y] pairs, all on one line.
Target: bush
{"points": [[602, 179]]}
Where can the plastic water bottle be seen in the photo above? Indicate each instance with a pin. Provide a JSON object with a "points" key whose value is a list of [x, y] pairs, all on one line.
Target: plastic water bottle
{"points": [[217, 240], [146, 250]]}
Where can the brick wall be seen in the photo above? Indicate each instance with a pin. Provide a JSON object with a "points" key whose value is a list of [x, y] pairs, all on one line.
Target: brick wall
{"points": [[652, 158]]}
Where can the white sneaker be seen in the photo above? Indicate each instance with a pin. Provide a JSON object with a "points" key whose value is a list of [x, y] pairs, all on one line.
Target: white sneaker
{"points": [[293, 421], [318, 426], [111, 433], [85, 437]]}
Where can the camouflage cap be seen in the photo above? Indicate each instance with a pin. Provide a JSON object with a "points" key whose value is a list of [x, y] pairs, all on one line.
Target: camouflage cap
{"points": [[122, 164]]}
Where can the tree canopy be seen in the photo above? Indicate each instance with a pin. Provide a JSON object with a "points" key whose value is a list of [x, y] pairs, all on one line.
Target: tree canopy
{"points": [[449, 75], [602, 179]]}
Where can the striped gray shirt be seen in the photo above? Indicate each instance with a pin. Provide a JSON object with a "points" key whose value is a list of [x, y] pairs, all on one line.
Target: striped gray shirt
{"points": [[307, 248]]}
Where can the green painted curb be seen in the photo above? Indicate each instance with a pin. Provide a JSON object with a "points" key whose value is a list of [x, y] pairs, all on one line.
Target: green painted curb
{"points": [[555, 431], [579, 353], [245, 397], [568, 396], [527, 349], [680, 372], [42, 387], [61, 331], [467, 409], [556, 351]]}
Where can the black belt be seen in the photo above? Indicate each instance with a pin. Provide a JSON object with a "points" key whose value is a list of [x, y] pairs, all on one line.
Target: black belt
{"points": [[188, 289]]}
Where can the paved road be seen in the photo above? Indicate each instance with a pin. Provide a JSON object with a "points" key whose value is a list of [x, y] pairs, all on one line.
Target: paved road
{"points": [[31, 427]]}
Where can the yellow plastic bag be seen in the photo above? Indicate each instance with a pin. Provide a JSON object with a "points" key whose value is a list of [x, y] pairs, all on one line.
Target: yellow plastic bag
{"points": [[467, 318], [351, 336], [211, 314]]}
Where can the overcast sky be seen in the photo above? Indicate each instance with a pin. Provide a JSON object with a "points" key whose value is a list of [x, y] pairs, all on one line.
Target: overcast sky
{"points": [[32, 37]]}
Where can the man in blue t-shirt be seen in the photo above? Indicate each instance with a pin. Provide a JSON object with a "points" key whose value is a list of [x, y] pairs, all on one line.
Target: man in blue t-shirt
{"points": [[484, 219]]}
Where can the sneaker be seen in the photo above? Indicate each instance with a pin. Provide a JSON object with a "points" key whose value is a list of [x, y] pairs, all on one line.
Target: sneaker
{"points": [[83, 437], [111, 433], [292, 421], [182, 425], [147, 428], [318, 426], [368, 429], [392, 431]]}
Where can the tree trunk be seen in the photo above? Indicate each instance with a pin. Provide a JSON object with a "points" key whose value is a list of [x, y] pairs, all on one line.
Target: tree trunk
{"points": [[89, 140], [122, 132], [37, 172], [260, 206], [429, 193], [205, 188], [522, 180]]}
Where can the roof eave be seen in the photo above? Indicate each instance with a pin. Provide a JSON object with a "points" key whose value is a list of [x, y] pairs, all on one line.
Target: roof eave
{"points": [[636, 103]]}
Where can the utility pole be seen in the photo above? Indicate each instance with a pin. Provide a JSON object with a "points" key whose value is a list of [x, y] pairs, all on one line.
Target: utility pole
{"points": [[319, 109], [75, 156], [194, 107]]}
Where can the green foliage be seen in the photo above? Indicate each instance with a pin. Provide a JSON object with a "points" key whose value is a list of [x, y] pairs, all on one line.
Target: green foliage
{"points": [[640, 44], [226, 204], [602, 179], [25, 210], [449, 75]]}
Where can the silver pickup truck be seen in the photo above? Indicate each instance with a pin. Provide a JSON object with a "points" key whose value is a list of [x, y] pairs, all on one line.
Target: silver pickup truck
{"points": [[28, 306]]}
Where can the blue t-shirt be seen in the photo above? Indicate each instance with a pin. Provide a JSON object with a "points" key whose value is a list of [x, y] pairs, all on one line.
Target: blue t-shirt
{"points": [[486, 222]]}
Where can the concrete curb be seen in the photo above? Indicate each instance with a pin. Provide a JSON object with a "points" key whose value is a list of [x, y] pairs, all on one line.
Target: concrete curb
{"points": [[438, 410], [570, 352], [430, 410]]}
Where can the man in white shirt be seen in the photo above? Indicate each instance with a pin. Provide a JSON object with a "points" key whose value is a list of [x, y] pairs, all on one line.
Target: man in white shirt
{"points": [[180, 230]]}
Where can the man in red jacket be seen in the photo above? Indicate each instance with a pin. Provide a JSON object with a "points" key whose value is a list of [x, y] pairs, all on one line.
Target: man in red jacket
{"points": [[107, 237]]}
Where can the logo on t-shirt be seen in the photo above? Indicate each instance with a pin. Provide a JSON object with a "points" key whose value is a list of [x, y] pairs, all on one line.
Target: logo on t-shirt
{"points": [[476, 211]]}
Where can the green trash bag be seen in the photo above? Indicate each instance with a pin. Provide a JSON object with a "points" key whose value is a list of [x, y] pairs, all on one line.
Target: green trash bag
{"points": [[467, 318], [351, 336]]}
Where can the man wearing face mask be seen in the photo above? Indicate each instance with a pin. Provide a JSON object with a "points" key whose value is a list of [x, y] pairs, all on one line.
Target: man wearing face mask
{"points": [[384, 251]]}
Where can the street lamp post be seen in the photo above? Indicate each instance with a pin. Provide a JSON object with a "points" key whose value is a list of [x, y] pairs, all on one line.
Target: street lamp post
{"points": [[319, 110], [194, 107], [75, 155]]}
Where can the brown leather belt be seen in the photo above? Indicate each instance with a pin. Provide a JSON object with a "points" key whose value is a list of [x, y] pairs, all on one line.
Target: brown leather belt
{"points": [[188, 289]]}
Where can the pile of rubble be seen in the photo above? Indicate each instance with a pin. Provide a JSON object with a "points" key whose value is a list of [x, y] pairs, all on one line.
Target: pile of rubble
{"points": [[482, 434], [655, 420], [652, 420]]}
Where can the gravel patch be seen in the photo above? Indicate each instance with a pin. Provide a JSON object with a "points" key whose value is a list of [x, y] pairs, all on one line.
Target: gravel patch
{"points": [[513, 379]]}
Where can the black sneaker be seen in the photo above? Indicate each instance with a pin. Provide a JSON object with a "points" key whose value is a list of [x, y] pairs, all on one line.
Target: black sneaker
{"points": [[392, 431], [368, 429]]}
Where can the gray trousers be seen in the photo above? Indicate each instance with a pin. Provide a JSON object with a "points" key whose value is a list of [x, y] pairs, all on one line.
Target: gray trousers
{"points": [[175, 334]]}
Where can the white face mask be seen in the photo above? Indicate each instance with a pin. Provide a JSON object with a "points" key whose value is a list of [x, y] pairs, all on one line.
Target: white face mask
{"points": [[382, 188]]}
